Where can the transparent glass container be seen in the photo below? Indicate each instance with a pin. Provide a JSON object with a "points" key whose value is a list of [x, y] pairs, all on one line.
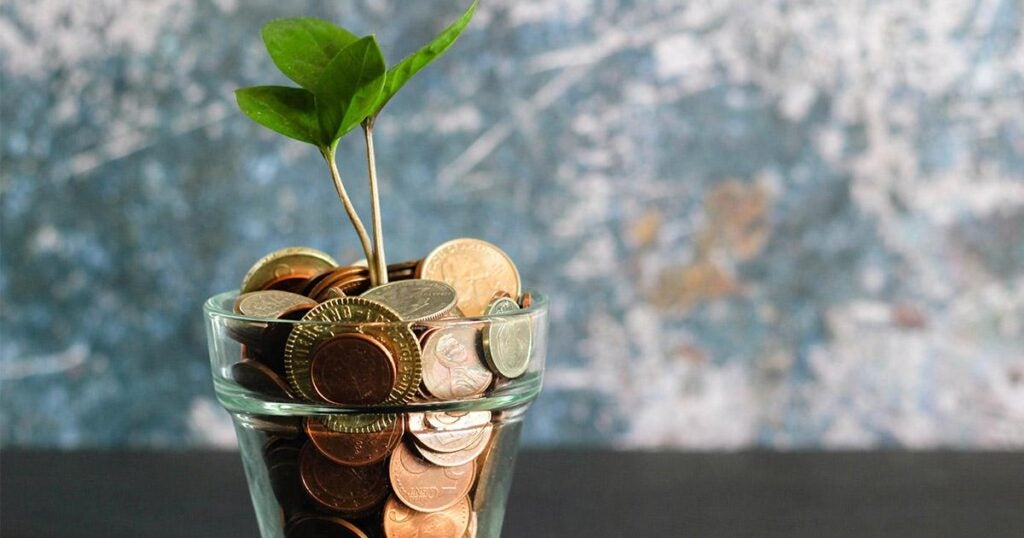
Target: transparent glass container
{"points": [[437, 464]]}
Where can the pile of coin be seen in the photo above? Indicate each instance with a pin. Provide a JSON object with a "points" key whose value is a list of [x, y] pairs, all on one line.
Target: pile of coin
{"points": [[373, 474]]}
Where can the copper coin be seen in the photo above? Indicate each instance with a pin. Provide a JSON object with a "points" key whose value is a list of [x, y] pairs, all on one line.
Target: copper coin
{"points": [[453, 365], [282, 461], [319, 526], [314, 281], [352, 369], [287, 263], [355, 449], [260, 379], [426, 487], [342, 488], [460, 457], [400, 521], [526, 301], [452, 438], [476, 269], [342, 278], [290, 284]]}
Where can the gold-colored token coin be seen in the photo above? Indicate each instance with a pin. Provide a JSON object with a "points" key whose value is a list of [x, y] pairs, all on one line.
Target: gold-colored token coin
{"points": [[476, 269], [508, 342], [415, 300], [400, 521], [426, 487], [453, 364], [347, 315], [284, 264]]}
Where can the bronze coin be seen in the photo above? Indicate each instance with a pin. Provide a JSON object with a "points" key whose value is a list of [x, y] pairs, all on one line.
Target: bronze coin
{"points": [[352, 369], [319, 526], [426, 487], [355, 449], [339, 277], [314, 281], [342, 488], [260, 379], [400, 521], [282, 461], [290, 284], [453, 365]]}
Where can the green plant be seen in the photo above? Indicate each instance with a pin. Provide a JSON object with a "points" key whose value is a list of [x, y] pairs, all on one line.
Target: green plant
{"points": [[344, 83]]}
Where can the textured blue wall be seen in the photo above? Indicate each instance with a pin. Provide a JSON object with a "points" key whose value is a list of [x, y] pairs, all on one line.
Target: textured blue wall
{"points": [[776, 223]]}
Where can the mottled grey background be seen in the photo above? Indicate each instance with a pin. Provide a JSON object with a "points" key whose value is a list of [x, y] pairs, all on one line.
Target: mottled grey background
{"points": [[776, 223]]}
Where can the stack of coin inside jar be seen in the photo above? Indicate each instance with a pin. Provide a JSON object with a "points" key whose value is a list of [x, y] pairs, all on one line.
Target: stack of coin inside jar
{"points": [[395, 474]]}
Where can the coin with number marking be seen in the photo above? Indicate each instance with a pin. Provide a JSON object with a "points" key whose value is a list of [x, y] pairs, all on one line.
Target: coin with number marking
{"points": [[400, 521], [426, 487]]}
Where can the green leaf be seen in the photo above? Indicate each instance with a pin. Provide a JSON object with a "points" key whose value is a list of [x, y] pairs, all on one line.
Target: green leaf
{"points": [[302, 47], [410, 65], [289, 111], [349, 87]]}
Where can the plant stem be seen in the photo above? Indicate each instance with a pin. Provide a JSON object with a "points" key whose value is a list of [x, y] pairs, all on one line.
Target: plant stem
{"points": [[378, 233], [364, 240]]}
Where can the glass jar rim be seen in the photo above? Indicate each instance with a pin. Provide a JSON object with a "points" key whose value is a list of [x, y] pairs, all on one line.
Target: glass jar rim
{"points": [[220, 306]]}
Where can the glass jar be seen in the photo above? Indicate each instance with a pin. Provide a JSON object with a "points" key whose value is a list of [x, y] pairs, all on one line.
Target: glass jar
{"points": [[433, 458]]}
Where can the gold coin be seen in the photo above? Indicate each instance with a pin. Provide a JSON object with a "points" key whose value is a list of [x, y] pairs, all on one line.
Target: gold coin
{"points": [[508, 341], [400, 521], [476, 269], [426, 487], [346, 315], [291, 262], [453, 365], [415, 300]]}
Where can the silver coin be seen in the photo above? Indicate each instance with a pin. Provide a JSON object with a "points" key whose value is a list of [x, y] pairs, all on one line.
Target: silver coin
{"points": [[508, 341], [415, 300]]}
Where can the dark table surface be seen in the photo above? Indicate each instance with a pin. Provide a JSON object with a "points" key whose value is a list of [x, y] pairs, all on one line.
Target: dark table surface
{"points": [[556, 493]]}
